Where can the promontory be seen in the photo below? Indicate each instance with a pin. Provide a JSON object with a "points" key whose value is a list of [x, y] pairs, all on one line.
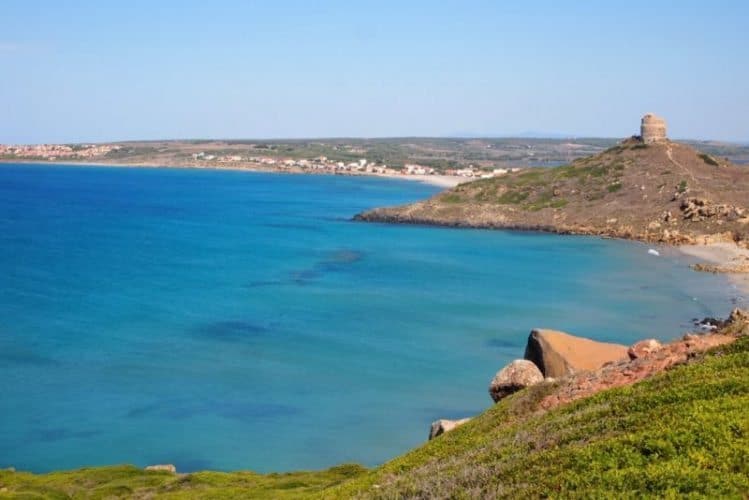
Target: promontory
{"points": [[646, 188]]}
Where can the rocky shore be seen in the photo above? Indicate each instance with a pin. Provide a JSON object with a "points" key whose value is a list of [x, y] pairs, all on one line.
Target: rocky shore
{"points": [[576, 367], [661, 193], [722, 258]]}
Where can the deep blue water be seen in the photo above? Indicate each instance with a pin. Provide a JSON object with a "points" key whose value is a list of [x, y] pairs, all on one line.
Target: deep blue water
{"points": [[230, 320]]}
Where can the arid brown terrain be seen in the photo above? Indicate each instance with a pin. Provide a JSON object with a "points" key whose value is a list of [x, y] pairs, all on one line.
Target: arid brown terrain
{"points": [[662, 192]]}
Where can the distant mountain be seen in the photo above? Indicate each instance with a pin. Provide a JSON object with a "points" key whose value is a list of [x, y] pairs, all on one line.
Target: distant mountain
{"points": [[528, 134]]}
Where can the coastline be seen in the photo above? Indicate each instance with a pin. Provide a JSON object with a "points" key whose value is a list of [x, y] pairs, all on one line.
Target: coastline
{"points": [[722, 258], [443, 181], [721, 254]]}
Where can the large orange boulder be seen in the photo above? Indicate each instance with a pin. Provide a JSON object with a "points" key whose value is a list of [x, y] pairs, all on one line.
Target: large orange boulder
{"points": [[558, 354]]}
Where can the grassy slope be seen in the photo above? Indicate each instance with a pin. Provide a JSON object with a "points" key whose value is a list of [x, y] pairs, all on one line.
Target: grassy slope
{"points": [[127, 481], [685, 431]]}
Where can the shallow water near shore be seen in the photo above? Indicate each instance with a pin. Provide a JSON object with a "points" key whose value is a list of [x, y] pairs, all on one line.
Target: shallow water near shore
{"points": [[231, 320]]}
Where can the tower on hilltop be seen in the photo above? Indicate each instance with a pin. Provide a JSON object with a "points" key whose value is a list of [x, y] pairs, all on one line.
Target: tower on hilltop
{"points": [[652, 129]]}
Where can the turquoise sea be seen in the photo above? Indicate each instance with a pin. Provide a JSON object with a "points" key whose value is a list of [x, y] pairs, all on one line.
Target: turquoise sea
{"points": [[231, 320]]}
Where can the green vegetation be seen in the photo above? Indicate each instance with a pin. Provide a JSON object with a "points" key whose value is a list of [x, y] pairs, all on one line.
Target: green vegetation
{"points": [[128, 151], [452, 198], [126, 481], [613, 188], [682, 187], [539, 188], [684, 432], [709, 159], [513, 197]]}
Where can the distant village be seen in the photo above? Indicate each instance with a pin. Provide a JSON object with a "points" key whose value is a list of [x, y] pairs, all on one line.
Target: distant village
{"points": [[320, 164], [52, 152], [323, 164]]}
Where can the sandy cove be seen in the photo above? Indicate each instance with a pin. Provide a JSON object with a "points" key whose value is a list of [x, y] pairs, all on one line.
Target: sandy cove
{"points": [[724, 258], [444, 181]]}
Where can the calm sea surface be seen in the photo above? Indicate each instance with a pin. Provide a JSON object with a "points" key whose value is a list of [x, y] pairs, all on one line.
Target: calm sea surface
{"points": [[229, 320]]}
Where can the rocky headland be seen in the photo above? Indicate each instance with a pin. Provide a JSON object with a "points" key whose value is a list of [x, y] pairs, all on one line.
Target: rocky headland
{"points": [[656, 191], [646, 188]]}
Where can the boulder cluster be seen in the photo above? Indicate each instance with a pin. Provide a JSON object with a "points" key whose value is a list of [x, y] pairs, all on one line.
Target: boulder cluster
{"points": [[582, 367], [698, 209], [550, 354]]}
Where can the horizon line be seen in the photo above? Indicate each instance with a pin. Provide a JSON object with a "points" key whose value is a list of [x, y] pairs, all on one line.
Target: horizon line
{"points": [[552, 137]]}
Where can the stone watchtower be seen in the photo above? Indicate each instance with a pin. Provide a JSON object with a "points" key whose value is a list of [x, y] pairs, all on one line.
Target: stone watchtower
{"points": [[652, 129]]}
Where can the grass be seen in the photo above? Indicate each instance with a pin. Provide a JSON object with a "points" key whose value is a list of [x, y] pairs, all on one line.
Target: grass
{"points": [[513, 197], [127, 481], [682, 433], [613, 188], [682, 187], [539, 188], [452, 198], [709, 159]]}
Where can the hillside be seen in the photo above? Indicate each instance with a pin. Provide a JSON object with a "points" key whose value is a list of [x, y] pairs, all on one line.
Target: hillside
{"points": [[663, 192], [682, 431]]}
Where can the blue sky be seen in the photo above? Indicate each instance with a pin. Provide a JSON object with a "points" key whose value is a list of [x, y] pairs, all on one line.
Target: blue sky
{"points": [[96, 71]]}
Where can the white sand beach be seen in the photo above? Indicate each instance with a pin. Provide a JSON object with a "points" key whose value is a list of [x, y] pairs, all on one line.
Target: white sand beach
{"points": [[729, 258], [446, 181]]}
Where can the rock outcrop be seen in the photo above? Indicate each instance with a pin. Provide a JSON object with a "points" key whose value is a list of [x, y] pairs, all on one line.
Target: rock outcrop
{"points": [[558, 354], [519, 374], [737, 323], [697, 209], [628, 372], [162, 468], [442, 426], [643, 348]]}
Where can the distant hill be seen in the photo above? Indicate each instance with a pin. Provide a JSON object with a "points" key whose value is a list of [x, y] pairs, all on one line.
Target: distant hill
{"points": [[526, 134], [663, 192]]}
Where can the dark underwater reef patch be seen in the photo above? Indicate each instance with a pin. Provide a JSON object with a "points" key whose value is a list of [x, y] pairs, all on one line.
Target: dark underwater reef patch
{"points": [[294, 226], [62, 433], [263, 283], [234, 330], [25, 357], [334, 262], [177, 409]]}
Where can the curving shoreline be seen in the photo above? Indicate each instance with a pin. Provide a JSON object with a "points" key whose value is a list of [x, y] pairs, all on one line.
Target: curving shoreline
{"points": [[722, 258], [724, 251], [444, 181]]}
